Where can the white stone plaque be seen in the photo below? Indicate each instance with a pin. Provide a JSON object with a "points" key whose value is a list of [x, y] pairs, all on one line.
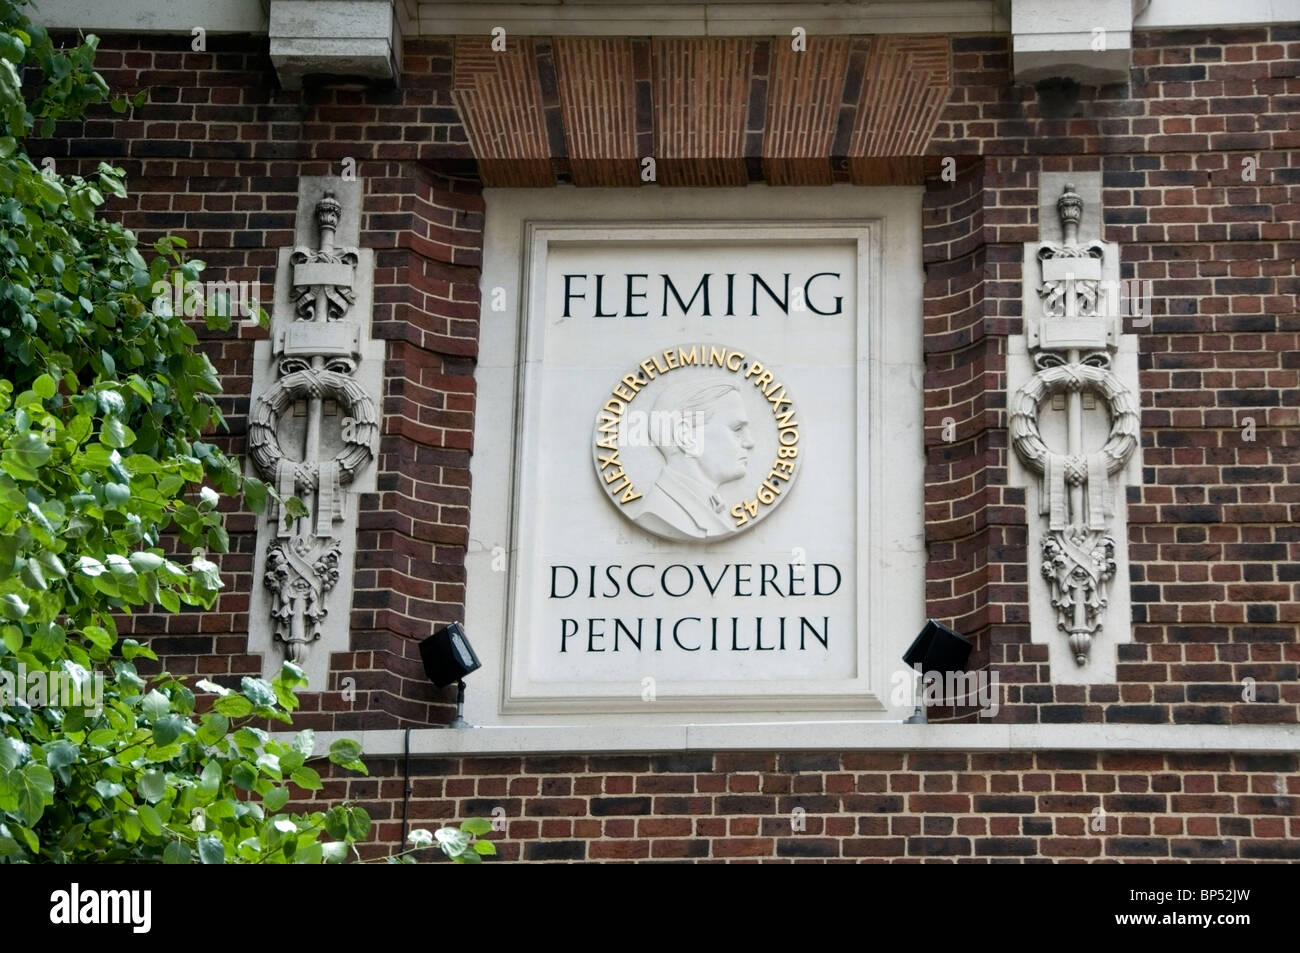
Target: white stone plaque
{"points": [[697, 424]]}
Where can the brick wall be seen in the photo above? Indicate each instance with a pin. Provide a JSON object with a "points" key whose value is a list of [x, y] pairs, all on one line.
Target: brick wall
{"points": [[214, 158], [883, 806], [215, 155], [1212, 528]]}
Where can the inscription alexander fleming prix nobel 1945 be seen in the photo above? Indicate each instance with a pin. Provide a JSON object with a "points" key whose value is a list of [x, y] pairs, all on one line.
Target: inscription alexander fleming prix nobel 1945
{"points": [[708, 406]]}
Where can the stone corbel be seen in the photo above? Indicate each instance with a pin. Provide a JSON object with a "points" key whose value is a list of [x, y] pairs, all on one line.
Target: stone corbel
{"points": [[335, 41], [1090, 43], [1073, 419], [313, 431]]}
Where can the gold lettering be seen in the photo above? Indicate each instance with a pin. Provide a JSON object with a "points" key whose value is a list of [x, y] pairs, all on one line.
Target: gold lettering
{"points": [[717, 357], [611, 477], [630, 494], [634, 382], [737, 357], [661, 370], [649, 368], [671, 360], [685, 357], [777, 400], [755, 368], [610, 461], [622, 392], [787, 451], [764, 378]]}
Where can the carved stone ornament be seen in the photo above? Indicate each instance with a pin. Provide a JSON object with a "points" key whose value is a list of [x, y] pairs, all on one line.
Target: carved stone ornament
{"points": [[699, 452], [316, 356], [1073, 355]]}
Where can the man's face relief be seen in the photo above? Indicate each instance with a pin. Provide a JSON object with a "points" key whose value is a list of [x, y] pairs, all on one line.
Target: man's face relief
{"points": [[722, 443]]}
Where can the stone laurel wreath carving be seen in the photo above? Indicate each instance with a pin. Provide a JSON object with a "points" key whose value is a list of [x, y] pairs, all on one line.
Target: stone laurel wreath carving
{"points": [[359, 427], [1078, 550], [318, 356]]}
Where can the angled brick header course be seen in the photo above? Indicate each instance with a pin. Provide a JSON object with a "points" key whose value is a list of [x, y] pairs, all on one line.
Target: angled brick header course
{"points": [[710, 111]]}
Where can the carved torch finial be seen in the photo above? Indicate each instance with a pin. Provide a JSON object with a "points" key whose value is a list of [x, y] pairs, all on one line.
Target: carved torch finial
{"points": [[328, 211], [1070, 207]]}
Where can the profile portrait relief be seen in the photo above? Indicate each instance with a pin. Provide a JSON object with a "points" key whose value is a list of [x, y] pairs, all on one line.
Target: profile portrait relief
{"points": [[703, 450], [703, 435]]}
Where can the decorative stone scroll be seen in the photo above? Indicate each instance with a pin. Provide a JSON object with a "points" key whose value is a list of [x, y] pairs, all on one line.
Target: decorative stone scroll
{"points": [[1072, 343], [313, 433]]}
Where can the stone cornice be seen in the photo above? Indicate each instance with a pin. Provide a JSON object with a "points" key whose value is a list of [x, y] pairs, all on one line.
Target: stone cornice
{"points": [[630, 17], [823, 736]]}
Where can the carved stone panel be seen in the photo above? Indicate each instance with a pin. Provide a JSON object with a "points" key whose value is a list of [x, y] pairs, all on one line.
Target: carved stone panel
{"points": [[1074, 421], [313, 433]]}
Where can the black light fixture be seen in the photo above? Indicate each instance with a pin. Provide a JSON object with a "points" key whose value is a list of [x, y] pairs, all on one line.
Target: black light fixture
{"points": [[448, 657], [938, 649]]}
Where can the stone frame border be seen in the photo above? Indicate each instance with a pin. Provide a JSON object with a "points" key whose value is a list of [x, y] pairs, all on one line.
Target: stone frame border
{"points": [[889, 220]]}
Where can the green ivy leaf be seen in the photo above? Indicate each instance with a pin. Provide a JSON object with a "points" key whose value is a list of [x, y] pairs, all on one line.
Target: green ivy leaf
{"points": [[35, 789], [116, 434], [44, 386], [336, 822], [152, 786], [275, 799], [234, 706], [167, 729], [213, 728], [131, 826], [98, 636], [109, 789], [155, 705], [244, 776], [255, 493], [14, 606], [150, 820], [145, 562], [29, 453], [452, 840], [306, 778], [210, 780], [61, 754], [258, 691]]}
